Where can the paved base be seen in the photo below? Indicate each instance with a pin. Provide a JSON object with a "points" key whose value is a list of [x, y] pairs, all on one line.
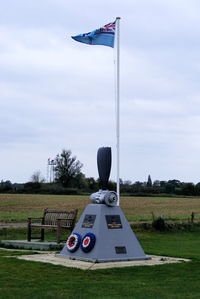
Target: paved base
{"points": [[55, 259], [34, 245]]}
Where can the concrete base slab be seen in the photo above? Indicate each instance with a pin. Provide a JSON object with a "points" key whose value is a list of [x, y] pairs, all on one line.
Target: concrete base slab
{"points": [[34, 245], [55, 259]]}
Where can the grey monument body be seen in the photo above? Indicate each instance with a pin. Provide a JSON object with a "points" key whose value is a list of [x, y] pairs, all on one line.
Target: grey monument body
{"points": [[102, 233]]}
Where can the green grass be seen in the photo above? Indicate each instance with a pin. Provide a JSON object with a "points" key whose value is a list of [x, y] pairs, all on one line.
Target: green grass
{"points": [[177, 244], [25, 279]]}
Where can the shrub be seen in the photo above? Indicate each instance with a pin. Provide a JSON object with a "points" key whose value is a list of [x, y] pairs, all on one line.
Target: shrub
{"points": [[160, 224]]}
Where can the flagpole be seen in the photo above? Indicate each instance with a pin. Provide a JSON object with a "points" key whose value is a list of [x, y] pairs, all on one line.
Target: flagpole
{"points": [[118, 107]]}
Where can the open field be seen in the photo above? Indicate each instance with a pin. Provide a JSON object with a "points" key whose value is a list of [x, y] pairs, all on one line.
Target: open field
{"points": [[17, 207], [25, 279]]}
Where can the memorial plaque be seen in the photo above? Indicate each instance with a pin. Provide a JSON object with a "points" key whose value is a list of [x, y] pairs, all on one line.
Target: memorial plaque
{"points": [[113, 221], [88, 221], [120, 249]]}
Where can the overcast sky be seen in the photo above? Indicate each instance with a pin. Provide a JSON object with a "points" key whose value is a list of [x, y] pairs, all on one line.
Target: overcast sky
{"points": [[57, 93]]}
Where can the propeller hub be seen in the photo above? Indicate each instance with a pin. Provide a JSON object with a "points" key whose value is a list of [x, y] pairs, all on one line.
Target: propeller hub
{"points": [[104, 197]]}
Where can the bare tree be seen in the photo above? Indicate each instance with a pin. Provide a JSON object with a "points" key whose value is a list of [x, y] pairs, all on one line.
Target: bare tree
{"points": [[37, 177]]}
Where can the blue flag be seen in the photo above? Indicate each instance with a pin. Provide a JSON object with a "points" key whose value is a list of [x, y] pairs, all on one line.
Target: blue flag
{"points": [[103, 36]]}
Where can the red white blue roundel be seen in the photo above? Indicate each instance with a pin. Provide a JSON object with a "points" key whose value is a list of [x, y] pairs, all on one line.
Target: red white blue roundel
{"points": [[73, 242], [88, 242]]}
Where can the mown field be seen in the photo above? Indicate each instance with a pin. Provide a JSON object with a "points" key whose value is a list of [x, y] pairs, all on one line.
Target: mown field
{"points": [[17, 207]]}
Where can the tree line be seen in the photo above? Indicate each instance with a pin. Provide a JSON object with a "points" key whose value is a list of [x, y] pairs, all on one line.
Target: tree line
{"points": [[69, 179]]}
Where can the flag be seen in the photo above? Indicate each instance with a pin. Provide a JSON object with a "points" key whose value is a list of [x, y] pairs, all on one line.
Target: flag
{"points": [[103, 36]]}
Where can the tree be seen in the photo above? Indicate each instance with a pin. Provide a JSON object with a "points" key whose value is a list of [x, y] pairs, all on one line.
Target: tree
{"points": [[138, 184], [5, 186], [37, 177], [188, 189], [67, 169], [92, 183], [175, 183]]}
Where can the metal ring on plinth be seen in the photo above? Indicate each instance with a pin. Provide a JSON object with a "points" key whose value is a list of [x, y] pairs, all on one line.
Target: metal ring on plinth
{"points": [[73, 242], [88, 242]]}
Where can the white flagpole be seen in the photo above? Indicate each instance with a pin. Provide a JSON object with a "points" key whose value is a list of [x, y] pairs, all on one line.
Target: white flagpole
{"points": [[118, 106]]}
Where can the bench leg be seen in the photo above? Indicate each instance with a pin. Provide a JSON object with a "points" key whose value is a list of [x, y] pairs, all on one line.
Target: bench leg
{"points": [[58, 235], [29, 233], [42, 234]]}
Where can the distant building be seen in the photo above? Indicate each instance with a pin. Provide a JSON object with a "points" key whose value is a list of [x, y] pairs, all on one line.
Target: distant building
{"points": [[156, 183], [149, 181]]}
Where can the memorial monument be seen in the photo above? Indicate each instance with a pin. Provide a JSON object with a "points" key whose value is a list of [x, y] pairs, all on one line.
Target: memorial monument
{"points": [[102, 233]]}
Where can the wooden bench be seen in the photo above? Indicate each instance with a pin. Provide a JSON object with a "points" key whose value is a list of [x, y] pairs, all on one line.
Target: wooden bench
{"points": [[53, 219]]}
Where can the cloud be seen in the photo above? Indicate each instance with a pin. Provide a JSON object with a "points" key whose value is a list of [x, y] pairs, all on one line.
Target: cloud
{"points": [[57, 94]]}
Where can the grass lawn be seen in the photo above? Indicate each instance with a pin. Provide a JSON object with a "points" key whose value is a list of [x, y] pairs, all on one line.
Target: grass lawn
{"points": [[25, 279]]}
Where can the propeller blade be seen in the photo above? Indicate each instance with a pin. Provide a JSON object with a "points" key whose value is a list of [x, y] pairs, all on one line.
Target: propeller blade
{"points": [[104, 165]]}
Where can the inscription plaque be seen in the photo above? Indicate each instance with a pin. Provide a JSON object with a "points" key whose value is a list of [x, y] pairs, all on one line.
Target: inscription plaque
{"points": [[88, 221], [120, 250], [113, 221]]}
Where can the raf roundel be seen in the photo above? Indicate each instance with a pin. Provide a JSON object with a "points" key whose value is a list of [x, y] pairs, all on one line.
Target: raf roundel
{"points": [[73, 242], [88, 242]]}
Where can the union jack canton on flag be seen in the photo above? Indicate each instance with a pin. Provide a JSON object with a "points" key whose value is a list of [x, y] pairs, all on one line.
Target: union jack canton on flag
{"points": [[103, 36]]}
